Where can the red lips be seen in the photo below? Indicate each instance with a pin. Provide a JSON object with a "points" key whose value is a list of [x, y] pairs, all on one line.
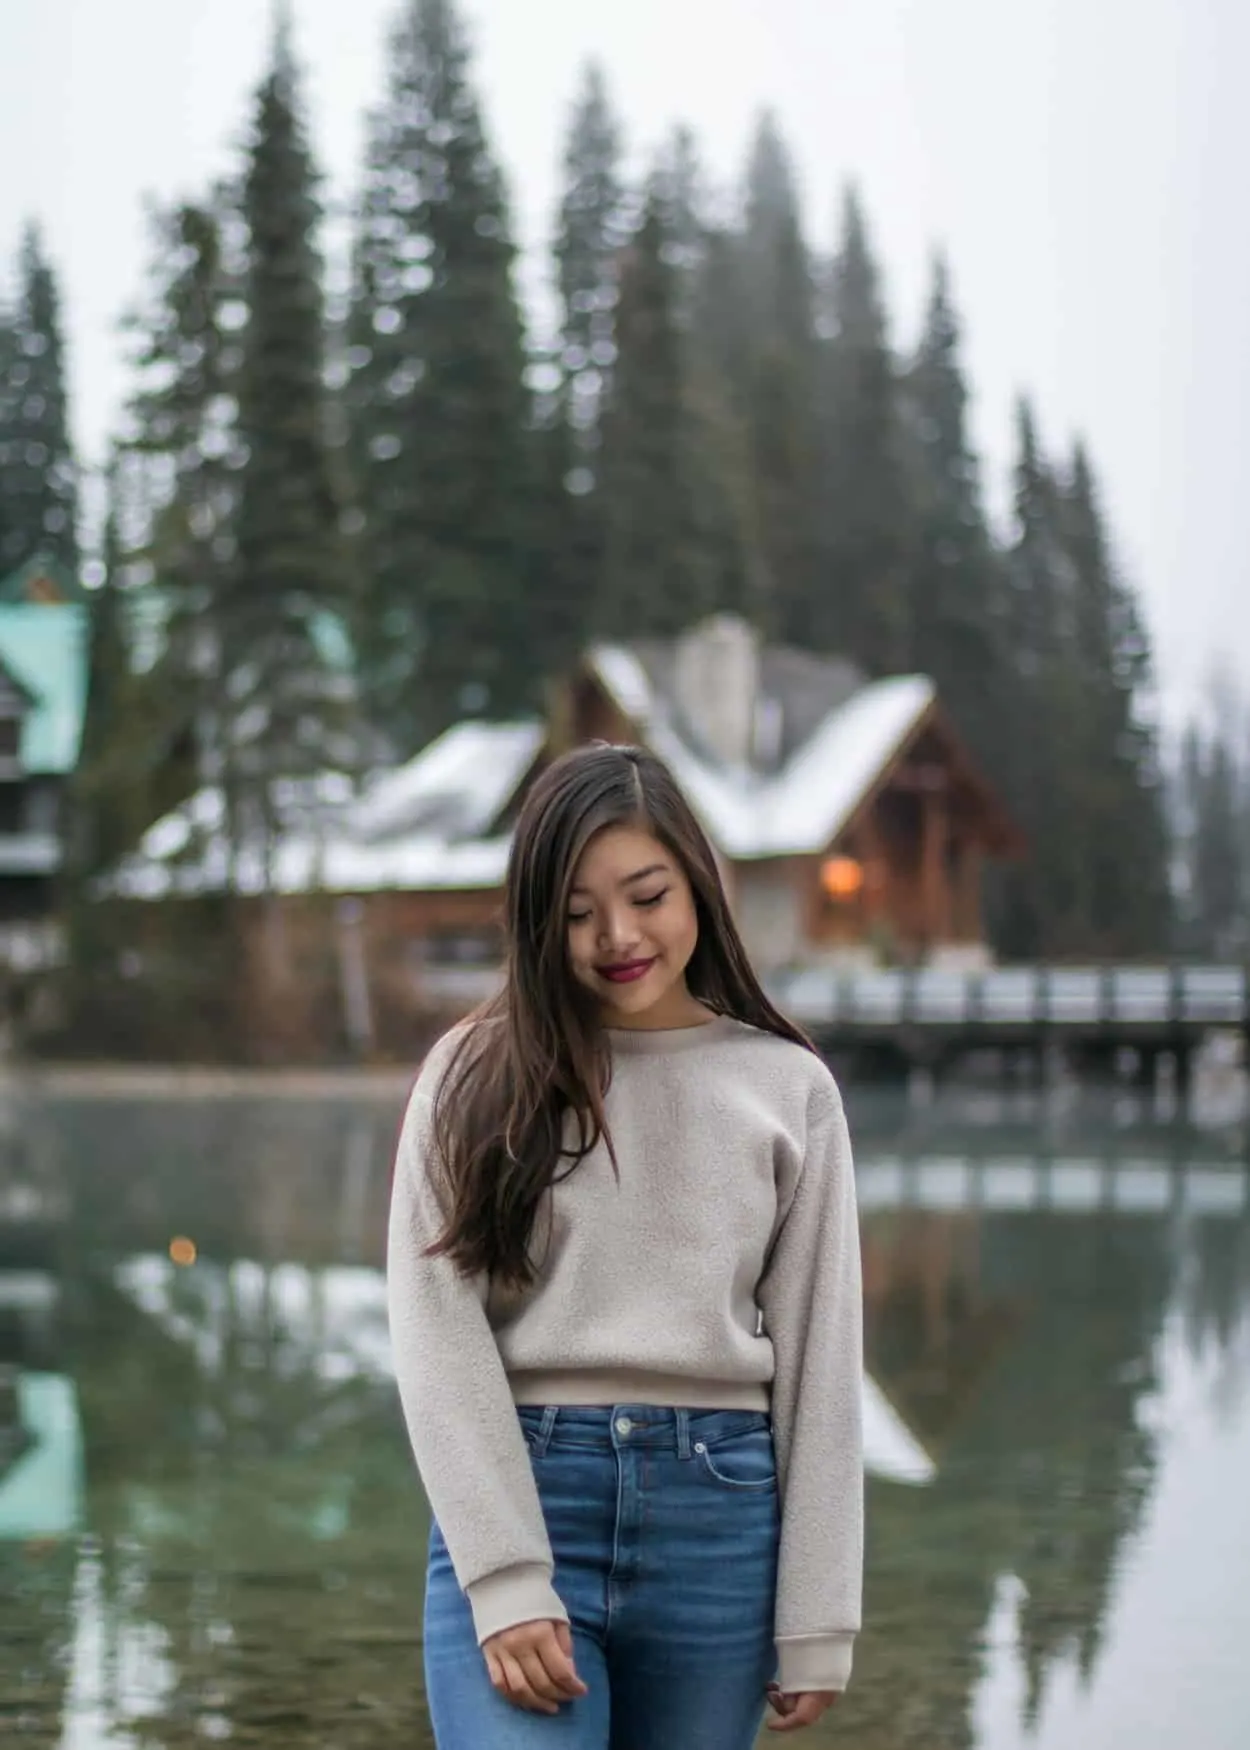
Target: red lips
{"points": [[627, 971]]}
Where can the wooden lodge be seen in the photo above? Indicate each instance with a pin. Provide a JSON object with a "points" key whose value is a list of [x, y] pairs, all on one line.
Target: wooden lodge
{"points": [[851, 824]]}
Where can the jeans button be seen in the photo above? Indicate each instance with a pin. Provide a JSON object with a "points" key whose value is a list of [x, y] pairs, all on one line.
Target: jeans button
{"points": [[623, 1424]]}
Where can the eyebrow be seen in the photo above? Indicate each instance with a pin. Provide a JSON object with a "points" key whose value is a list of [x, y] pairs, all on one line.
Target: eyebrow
{"points": [[638, 875]]}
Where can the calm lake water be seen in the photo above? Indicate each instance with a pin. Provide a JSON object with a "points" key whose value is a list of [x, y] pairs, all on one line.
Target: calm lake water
{"points": [[210, 1528]]}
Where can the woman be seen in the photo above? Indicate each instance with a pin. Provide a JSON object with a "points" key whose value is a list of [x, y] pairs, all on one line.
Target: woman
{"points": [[625, 1308]]}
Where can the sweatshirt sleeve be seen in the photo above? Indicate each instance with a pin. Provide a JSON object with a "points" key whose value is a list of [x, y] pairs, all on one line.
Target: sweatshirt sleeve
{"points": [[462, 1421], [810, 1298]]}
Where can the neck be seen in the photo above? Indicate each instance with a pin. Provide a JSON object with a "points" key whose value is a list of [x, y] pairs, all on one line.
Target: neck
{"points": [[675, 1011]]}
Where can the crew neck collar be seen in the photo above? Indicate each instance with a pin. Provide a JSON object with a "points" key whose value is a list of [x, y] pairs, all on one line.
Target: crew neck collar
{"points": [[650, 1041]]}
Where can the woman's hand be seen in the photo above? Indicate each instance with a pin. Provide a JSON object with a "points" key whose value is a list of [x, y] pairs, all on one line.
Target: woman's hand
{"points": [[531, 1665], [796, 1711]]}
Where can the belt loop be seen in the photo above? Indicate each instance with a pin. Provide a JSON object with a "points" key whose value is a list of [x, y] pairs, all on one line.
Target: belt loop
{"points": [[546, 1428], [683, 1433]]}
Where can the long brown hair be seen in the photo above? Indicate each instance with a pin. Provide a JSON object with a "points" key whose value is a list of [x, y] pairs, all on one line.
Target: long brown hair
{"points": [[537, 1052]]}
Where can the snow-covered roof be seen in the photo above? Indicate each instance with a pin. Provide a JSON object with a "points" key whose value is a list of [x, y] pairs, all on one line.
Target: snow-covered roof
{"points": [[303, 862], [802, 807], [813, 798], [626, 679], [432, 824], [426, 825], [455, 787]]}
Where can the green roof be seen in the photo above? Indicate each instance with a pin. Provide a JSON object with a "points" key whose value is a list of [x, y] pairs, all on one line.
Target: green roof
{"points": [[42, 1493], [45, 650]]}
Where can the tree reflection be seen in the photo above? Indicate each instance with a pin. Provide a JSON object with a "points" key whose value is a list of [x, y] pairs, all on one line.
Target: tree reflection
{"points": [[253, 1557], [251, 1562], [1023, 1348]]}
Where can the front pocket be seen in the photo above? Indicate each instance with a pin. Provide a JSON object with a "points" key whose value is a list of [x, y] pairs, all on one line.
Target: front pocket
{"points": [[746, 1462]]}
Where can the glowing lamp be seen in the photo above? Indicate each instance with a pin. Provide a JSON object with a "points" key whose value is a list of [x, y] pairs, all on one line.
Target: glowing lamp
{"points": [[842, 877]]}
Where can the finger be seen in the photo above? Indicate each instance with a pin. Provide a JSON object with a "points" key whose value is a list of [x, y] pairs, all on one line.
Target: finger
{"points": [[556, 1651], [531, 1662], [804, 1710], [564, 1638], [517, 1689]]}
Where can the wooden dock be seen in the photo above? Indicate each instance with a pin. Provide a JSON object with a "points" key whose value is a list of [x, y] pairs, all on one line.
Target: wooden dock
{"points": [[929, 1015]]}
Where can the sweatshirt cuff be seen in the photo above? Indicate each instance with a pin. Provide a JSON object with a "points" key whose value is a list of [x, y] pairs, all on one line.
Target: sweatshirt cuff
{"points": [[814, 1662], [523, 1593]]}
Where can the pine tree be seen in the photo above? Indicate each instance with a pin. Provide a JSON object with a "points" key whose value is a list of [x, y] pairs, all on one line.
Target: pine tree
{"points": [[288, 717], [677, 189], [1080, 762], [182, 468], [953, 632], [656, 578], [1213, 806], [723, 554], [38, 476], [1037, 899], [107, 812], [768, 346], [593, 229], [862, 605], [1115, 787], [11, 541], [437, 403], [1218, 853]]}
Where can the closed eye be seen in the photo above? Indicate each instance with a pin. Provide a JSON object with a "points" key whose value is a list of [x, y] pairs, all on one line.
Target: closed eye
{"points": [[647, 904]]}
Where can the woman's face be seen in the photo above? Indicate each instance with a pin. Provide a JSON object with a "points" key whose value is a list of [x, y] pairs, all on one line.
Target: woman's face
{"points": [[632, 928]]}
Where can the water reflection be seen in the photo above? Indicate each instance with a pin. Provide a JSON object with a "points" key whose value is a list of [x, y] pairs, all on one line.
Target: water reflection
{"points": [[208, 1525]]}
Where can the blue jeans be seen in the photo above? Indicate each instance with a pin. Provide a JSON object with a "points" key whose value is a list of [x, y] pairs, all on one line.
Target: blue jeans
{"points": [[664, 1525]]}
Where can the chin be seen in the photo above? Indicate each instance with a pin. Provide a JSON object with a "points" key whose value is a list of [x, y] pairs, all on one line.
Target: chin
{"points": [[638, 999], [631, 999]]}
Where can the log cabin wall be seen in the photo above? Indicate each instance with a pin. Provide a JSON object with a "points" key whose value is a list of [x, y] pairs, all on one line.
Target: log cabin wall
{"points": [[919, 844]]}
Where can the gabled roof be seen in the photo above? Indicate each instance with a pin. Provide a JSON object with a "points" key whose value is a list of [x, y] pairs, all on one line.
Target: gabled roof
{"points": [[44, 648], [455, 788], [309, 861], [438, 822], [801, 807], [431, 824], [802, 688]]}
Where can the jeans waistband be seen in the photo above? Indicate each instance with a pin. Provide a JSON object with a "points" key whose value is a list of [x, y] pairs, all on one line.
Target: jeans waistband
{"points": [[608, 1427]]}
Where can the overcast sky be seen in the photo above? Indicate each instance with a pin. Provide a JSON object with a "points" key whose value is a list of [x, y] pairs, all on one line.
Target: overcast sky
{"points": [[1083, 162]]}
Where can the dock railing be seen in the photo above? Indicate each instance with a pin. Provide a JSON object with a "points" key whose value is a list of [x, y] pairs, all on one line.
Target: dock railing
{"points": [[1131, 1003]]}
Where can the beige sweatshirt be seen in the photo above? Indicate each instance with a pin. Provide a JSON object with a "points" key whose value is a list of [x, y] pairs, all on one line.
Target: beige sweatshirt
{"points": [[721, 1272]]}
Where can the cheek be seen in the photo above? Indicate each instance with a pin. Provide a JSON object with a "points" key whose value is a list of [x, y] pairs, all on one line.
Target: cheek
{"points": [[579, 945]]}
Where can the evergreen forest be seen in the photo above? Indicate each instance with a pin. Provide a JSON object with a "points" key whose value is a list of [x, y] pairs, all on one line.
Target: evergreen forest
{"points": [[345, 509]]}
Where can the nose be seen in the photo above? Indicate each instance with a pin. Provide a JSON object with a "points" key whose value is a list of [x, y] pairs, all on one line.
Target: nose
{"points": [[620, 934]]}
